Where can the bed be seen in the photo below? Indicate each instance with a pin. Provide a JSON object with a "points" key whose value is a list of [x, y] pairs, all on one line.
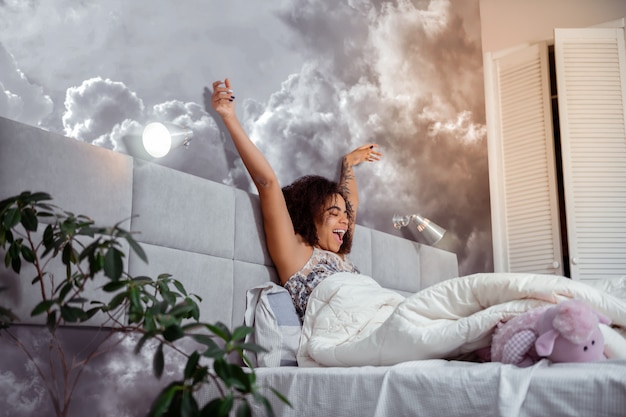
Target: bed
{"points": [[218, 248], [344, 369]]}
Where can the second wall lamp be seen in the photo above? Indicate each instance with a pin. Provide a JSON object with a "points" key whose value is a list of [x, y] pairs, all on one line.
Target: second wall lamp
{"points": [[431, 232]]}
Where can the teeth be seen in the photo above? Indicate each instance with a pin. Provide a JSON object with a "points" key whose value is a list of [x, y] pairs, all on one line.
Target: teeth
{"points": [[339, 231]]}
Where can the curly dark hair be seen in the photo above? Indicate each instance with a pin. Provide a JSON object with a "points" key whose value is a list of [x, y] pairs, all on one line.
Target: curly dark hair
{"points": [[306, 198]]}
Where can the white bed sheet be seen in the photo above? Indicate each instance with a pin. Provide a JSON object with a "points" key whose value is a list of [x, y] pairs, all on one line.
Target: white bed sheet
{"points": [[450, 388]]}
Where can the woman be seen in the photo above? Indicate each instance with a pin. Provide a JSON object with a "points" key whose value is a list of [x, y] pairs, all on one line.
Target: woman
{"points": [[308, 225]]}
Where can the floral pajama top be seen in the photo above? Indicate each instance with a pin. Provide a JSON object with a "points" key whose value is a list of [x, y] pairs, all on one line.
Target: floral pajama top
{"points": [[320, 266]]}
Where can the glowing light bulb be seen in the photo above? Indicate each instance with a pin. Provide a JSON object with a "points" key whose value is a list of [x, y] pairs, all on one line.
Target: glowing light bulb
{"points": [[157, 140]]}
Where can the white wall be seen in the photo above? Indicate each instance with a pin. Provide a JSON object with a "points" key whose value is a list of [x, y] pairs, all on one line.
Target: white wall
{"points": [[508, 23]]}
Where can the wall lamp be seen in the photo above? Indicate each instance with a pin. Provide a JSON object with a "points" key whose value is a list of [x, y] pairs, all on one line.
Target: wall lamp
{"points": [[160, 138], [431, 232]]}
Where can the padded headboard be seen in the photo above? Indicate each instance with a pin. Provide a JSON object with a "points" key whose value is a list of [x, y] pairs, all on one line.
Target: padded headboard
{"points": [[206, 234]]}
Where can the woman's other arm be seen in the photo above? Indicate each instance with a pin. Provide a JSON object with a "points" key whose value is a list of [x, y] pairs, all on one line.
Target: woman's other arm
{"points": [[348, 179], [289, 253]]}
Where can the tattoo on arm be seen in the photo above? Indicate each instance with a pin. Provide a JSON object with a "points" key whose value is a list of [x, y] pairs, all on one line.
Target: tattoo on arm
{"points": [[347, 175]]}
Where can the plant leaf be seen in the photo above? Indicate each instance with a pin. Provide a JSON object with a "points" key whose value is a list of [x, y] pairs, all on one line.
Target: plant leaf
{"points": [[51, 321], [268, 406], [220, 366], [136, 247], [6, 203], [158, 362], [163, 401], [141, 342], [200, 374], [220, 330], [195, 312], [244, 409], [135, 298], [281, 397], [241, 332], [12, 217], [42, 307], [113, 265], [253, 347], [65, 289], [114, 285], [29, 219], [219, 407], [173, 332], [67, 255], [28, 254], [48, 237], [184, 309], [213, 350], [232, 375], [37, 196], [73, 314], [16, 264], [7, 317], [116, 301], [3, 236], [188, 405], [142, 280], [192, 363], [240, 379], [180, 287], [91, 312], [205, 339]]}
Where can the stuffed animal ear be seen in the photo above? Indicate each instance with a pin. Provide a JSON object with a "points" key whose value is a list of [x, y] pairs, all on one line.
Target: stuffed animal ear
{"points": [[603, 319], [545, 343]]}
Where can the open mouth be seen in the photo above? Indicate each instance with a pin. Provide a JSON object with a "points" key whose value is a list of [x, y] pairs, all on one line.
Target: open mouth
{"points": [[339, 235]]}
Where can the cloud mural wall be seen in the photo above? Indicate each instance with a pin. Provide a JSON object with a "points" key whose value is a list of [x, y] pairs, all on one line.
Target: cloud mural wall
{"points": [[313, 80]]}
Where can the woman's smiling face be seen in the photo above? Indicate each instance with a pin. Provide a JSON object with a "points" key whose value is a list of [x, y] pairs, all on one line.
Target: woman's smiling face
{"points": [[333, 224]]}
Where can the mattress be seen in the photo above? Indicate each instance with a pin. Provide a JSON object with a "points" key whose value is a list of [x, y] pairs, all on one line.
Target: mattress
{"points": [[449, 388]]}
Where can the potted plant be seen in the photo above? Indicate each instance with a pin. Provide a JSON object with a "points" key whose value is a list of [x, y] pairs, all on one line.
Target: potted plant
{"points": [[94, 285]]}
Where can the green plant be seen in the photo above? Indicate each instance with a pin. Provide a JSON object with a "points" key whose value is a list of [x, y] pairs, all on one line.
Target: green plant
{"points": [[160, 310]]}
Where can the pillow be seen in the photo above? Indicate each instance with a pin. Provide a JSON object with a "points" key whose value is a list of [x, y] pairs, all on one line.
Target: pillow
{"points": [[270, 312]]}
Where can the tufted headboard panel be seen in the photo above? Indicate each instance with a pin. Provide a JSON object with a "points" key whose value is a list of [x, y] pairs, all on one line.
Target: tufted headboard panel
{"points": [[206, 234]]}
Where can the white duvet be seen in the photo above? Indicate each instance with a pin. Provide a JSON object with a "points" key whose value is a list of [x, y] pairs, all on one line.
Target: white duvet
{"points": [[352, 321]]}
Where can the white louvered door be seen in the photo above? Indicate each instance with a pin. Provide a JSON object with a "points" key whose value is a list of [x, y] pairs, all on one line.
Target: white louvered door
{"points": [[591, 83], [524, 197]]}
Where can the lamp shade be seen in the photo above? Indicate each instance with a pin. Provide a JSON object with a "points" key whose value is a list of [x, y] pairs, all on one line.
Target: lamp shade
{"points": [[159, 139], [431, 232]]}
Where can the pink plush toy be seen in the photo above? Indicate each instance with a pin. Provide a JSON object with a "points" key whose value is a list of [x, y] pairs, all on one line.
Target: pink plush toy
{"points": [[567, 332]]}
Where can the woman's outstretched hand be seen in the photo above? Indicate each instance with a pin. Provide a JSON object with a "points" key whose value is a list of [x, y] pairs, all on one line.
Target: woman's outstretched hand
{"points": [[365, 153], [223, 98]]}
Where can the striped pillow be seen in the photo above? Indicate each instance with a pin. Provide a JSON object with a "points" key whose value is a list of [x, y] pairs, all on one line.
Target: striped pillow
{"points": [[270, 312]]}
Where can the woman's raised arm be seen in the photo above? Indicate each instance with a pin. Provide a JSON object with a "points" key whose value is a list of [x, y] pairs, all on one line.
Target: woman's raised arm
{"points": [[348, 179], [287, 250]]}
